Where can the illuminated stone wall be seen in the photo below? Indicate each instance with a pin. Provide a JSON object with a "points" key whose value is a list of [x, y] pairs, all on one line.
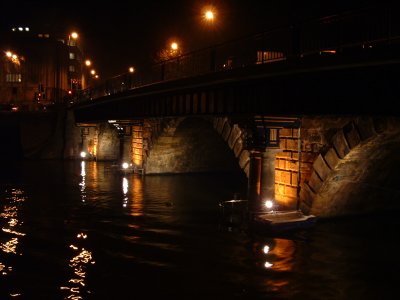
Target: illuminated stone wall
{"points": [[189, 145], [108, 144]]}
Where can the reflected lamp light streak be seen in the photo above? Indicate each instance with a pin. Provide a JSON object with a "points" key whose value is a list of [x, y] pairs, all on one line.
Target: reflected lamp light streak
{"points": [[83, 182], [125, 186], [10, 216], [78, 263]]}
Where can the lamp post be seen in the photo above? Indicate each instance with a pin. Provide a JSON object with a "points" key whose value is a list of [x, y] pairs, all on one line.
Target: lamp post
{"points": [[209, 17], [209, 14]]}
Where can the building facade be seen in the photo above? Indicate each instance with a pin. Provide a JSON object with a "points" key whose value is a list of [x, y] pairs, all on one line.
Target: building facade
{"points": [[39, 69]]}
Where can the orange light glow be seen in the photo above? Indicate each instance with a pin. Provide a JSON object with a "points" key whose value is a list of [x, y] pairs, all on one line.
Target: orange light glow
{"points": [[174, 46], [329, 51], [209, 15]]}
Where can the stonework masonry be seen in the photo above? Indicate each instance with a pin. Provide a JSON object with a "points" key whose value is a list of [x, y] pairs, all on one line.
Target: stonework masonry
{"points": [[320, 163]]}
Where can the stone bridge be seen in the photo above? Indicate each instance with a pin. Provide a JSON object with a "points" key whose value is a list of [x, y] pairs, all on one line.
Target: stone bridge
{"points": [[334, 165], [306, 112]]}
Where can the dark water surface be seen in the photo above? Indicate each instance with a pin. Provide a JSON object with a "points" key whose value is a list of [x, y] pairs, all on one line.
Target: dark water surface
{"points": [[83, 231]]}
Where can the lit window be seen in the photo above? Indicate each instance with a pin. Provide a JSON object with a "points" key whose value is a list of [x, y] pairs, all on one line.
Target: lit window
{"points": [[71, 68], [272, 137], [13, 78], [273, 134], [71, 55]]}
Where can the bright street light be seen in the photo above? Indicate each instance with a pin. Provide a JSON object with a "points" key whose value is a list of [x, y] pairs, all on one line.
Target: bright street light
{"points": [[88, 62], [14, 57], [131, 69], [209, 15], [74, 35], [174, 46]]}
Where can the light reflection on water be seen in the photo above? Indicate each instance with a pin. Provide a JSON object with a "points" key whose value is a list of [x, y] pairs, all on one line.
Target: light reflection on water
{"points": [[80, 261], [90, 233], [11, 201]]}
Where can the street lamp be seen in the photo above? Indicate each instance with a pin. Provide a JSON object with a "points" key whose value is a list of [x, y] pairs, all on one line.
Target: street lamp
{"points": [[209, 14], [14, 58], [88, 63], [131, 69], [174, 46], [173, 49]]}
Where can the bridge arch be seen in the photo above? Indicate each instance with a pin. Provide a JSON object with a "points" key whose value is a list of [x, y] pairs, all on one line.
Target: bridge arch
{"points": [[189, 145], [358, 172], [347, 165]]}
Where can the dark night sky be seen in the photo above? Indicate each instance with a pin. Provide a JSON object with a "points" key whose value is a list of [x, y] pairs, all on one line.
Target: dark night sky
{"points": [[122, 33]]}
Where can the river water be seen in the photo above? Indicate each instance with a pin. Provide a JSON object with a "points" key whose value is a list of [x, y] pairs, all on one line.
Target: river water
{"points": [[81, 230]]}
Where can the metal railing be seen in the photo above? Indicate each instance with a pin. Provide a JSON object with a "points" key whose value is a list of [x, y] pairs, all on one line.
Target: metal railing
{"points": [[358, 29]]}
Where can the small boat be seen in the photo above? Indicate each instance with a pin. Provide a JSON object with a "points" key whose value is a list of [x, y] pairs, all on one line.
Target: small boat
{"points": [[234, 212], [279, 221], [126, 168]]}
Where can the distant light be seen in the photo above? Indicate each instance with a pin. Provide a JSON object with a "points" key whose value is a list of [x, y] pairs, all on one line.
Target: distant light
{"points": [[209, 15], [13, 29], [74, 35], [96, 76], [266, 249], [83, 154], [88, 62], [69, 92], [92, 72], [20, 29], [26, 28], [131, 69], [9, 54], [329, 51], [174, 46], [125, 165]]}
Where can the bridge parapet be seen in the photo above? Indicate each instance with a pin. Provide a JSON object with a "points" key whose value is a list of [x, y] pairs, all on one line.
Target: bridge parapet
{"points": [[355, 34]]}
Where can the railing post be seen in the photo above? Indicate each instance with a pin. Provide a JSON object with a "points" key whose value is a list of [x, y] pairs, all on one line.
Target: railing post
{"points": [[254, 181]]}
